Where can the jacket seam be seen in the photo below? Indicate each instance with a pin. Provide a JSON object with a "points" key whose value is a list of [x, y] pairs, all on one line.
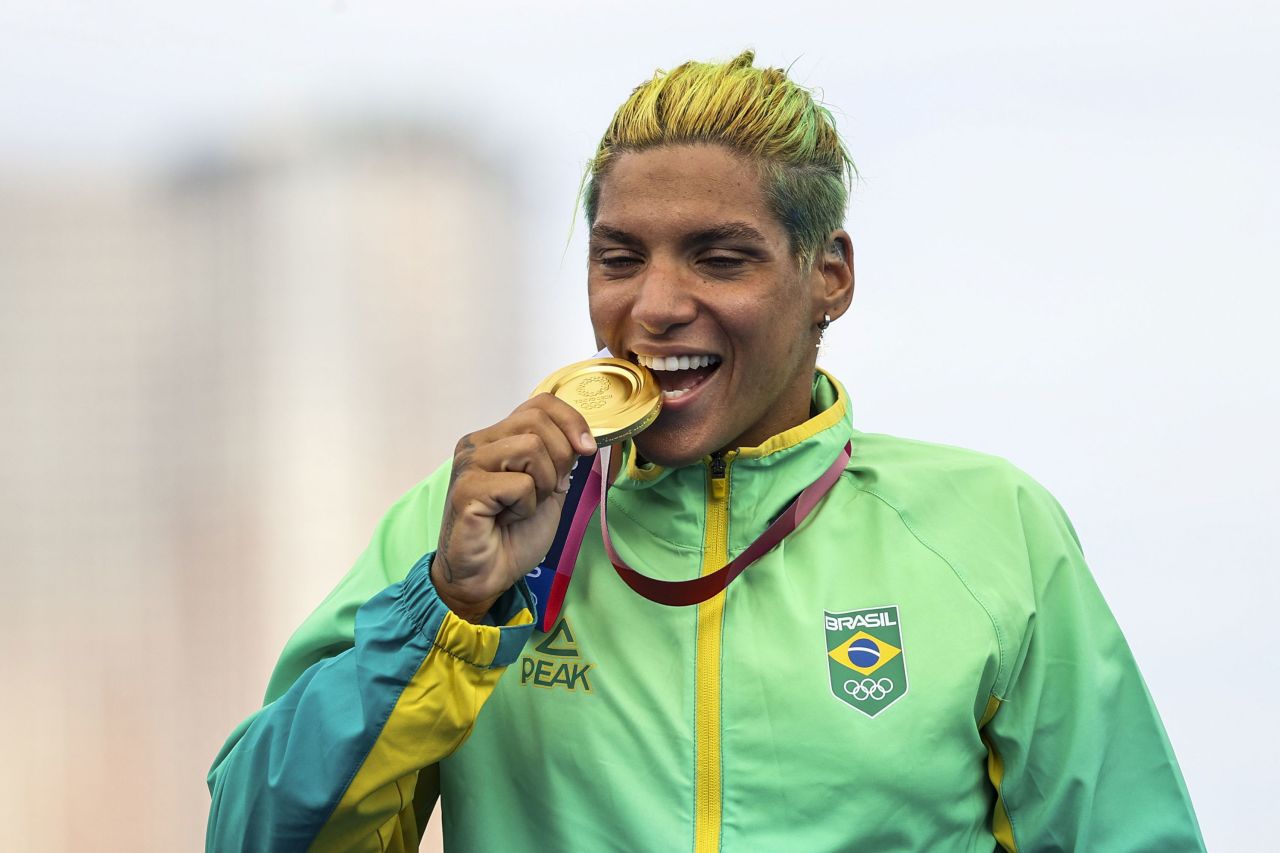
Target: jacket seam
{"points": [[1001, 796], [995, 625], [382, 726], [432, 644]]}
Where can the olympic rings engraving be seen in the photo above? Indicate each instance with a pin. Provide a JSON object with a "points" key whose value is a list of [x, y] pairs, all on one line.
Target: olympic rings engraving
{"points": [[869, 688]]}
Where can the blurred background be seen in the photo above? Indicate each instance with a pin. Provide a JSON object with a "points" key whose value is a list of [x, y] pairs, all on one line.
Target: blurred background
{"points": [[262, 264]]}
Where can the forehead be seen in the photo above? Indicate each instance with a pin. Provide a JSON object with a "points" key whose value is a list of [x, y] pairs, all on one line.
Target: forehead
{"points": [[679, 187]]}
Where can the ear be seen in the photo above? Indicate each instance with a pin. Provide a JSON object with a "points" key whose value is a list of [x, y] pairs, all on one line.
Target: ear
{"points": [[834, 274]]}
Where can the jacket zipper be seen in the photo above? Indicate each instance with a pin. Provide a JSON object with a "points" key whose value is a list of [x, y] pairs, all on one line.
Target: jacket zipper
{"points": [[708, 791]]}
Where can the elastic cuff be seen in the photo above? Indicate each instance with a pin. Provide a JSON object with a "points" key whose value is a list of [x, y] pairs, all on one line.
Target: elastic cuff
{"points": [[483, 646]]}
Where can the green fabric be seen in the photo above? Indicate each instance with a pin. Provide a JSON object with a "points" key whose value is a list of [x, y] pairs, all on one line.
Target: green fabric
{"points": [[406, 532], [993, 600], [278, 779]]}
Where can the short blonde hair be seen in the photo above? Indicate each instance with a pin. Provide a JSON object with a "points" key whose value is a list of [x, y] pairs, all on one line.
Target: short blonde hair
{"points": [[757, 112]]}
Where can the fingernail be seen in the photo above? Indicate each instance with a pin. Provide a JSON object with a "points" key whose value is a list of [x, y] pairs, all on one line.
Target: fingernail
{"points": [[564, 484], [588, 442]]}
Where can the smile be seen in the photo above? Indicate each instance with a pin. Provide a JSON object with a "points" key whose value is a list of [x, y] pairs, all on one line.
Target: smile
{"points": [[677, 375]]}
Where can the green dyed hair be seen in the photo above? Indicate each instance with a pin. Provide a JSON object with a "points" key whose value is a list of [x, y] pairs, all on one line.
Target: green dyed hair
{"points": [[759, 112]]}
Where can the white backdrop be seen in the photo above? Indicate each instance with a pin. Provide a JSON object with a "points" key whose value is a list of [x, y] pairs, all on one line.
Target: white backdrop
{"points": [[1065, 232]]}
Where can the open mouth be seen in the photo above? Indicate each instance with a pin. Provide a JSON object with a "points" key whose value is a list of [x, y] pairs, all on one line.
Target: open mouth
{"points": [[677, 375]]}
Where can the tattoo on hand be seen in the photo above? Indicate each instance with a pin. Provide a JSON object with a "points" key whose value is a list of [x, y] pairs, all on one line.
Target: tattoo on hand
{"points": [[448, 570], [461, 459]]}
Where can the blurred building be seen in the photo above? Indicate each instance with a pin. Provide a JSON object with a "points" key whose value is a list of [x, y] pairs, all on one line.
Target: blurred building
{"points": [[214, 380]]}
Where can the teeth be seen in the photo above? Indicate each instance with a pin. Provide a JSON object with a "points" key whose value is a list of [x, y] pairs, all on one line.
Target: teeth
{"points": [[673, 362], [671, 395]]}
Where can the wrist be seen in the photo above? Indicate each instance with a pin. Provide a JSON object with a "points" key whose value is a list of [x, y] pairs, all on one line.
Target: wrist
{"points": [[462, 607]]}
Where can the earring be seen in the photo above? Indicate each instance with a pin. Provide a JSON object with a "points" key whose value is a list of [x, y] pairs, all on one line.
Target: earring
{"points": [[822, 328]]}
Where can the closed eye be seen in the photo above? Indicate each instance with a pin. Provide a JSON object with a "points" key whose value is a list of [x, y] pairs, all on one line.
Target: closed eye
{"points": [[615, 263], [724, 265]]}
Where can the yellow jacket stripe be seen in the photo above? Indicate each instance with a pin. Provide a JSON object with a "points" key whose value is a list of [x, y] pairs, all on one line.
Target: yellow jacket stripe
{"points": [[334, 763]]}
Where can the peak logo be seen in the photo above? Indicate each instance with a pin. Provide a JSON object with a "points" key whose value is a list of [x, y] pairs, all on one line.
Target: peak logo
{"points": [[557, 662], [865, 658]]}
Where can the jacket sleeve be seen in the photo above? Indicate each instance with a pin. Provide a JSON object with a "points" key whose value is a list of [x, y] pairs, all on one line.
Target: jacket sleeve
{"points": [[335, 763], [1076, 751]]}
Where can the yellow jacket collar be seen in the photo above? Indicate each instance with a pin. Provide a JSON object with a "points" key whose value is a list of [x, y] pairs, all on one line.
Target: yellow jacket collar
{"points": [[829, 399]]}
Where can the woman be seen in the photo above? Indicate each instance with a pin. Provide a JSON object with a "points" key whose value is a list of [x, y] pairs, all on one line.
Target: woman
{"points": [[923, 663]]}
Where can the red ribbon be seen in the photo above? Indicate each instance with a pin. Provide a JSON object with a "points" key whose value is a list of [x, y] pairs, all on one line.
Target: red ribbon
{"points": [[678, 593]]}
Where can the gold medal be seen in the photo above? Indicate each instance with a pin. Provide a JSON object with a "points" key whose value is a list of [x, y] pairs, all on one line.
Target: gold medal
{"points": [[618, 398]]}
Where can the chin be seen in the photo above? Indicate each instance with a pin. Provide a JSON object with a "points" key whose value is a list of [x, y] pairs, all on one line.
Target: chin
{"points": [[670, 450]]}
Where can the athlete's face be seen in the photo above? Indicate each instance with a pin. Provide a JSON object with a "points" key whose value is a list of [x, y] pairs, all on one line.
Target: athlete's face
{"points": [[687, 263]]}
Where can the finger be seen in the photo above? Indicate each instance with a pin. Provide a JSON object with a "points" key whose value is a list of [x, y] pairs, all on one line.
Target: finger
{"points": [[552, 504], [487, 494], [559, 449], [525, 453], [568, 419], [535, 421], [543, 421]]}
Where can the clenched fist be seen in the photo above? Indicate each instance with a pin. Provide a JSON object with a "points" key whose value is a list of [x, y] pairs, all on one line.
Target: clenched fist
{"points": [[505, 495]]}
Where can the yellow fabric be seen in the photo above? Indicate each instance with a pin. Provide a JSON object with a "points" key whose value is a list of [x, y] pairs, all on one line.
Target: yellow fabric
{"points": [[787, 438], [1001, 827], [993, 705], [433, 715], [814, 425], [708, 790], [651, 471], [707, 784]]}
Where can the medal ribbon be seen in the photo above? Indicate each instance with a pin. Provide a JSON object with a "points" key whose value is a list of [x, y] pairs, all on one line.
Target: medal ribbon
{"points": [[675, 593]]}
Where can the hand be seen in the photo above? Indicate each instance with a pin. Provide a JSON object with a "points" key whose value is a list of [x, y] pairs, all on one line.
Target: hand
{"points": [[505, 495]]}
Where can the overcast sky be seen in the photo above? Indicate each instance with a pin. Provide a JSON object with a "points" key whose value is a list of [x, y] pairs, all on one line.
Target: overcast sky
{"points": [[1065, 232]]}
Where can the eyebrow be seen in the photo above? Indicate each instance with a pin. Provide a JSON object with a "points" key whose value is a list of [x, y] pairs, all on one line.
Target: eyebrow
{"points": [[723, 231], [727, 231], [617, 235]]}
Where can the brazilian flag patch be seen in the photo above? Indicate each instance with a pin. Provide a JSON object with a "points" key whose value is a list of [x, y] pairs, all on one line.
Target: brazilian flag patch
{"points": [[865, 658]]}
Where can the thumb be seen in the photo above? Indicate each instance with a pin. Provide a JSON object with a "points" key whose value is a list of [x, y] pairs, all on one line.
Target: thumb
{"points": [[555, 500], [552, 506]]}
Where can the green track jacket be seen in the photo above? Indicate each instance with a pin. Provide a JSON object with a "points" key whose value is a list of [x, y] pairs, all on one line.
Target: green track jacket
{"points": [[924, 664]]}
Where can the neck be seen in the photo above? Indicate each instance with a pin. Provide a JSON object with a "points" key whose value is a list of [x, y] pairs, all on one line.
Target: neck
{"points": [[791, 409]]}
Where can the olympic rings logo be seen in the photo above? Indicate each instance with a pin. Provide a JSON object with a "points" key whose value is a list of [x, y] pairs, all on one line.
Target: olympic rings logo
{"points": [[869, 688]]}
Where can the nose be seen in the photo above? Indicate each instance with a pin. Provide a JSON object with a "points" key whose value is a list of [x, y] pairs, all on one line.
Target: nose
{"points": [[664, 299]]}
